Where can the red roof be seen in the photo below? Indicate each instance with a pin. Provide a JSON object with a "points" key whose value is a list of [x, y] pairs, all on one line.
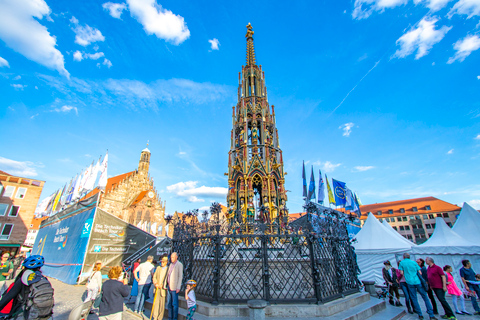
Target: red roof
{"points": [[3, 172], [139, 197], [111, 183], [409, 205], [295, 216]]}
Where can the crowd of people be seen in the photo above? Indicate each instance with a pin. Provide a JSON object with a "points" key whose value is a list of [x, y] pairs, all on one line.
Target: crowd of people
{"points": [[165, 278], [414, 278]]}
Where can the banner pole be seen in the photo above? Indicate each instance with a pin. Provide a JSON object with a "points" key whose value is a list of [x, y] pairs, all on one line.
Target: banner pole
{"points": [[89, 238]]}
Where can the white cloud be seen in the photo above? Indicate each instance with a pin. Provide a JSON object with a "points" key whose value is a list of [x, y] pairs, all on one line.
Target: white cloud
{"points": [[347, 128], [66, 109], [21, 30], [94, 56], [364, 8], [475, 203], [17, 78], [4, 63], [159, 21], [85, 35], [214, 43], [18, 86], [33, 117], [191, 192], [136, 94], [465, 47], [468, 7], [478, 77], [434, 5], [107, 63], [477, 137], [114, 9], [363, 168], [327, 166], [450, 151], [77, 56], [420, 39], [18, 168]]}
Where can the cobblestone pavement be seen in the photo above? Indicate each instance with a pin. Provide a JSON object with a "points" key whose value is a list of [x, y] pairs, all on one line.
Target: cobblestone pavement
{"points": [[468, 305], [68, 297]]}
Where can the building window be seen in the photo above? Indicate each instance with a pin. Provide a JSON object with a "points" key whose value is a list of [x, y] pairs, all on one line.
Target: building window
{"points": [[9, 190], [409, 237], [381, 220], [3, 209], [414, 226], [402, 210], [407, 227], [449, 224], [395, 228], [379, 212], [411, 217], [14, 211], [399, 219], [430, 216], [433, 225], [402, 228], [445, 215], [21, 193], [414, 209], [428, 226], [7, 230], [428, 208], [404, 218], [368, 212], [439, 215], [425, 217], [387, 219], [417, 217], [390, 211]]}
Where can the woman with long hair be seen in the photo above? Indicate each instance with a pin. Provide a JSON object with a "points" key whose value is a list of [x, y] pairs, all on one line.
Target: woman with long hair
{"points": [[94, 282]]}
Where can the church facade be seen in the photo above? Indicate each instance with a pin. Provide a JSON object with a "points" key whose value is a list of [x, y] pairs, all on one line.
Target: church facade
{"points": [[133, 198], [255, 164]]}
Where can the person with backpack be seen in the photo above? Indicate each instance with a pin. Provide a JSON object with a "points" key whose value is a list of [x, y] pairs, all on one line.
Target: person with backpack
{"points": [[31, 293]]}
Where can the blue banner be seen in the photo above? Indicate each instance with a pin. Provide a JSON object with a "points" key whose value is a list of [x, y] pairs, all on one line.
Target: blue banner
{"points": [[63, 244], [339, 190]]}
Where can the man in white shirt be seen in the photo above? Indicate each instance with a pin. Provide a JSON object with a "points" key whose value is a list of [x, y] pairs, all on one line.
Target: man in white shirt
{"points": [[144, 279]]}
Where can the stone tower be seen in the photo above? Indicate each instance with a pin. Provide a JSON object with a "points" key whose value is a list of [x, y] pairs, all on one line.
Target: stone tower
{"points": [[255, 164], [144, 163]]}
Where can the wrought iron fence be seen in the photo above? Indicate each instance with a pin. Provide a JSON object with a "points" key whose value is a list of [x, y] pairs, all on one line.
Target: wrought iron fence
{"points": [[313, 262]]}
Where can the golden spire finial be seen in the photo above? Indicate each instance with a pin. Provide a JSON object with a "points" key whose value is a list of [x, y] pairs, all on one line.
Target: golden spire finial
{"points": [[250, 48]]}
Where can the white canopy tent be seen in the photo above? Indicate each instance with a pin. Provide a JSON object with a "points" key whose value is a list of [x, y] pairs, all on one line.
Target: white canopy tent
{"points": [[375, 244], [447, 247], [398, 235], [468, 224]]}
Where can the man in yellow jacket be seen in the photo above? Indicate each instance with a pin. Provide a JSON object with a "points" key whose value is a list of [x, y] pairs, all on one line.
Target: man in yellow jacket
{"points": [[174, 283], [159, 281]]}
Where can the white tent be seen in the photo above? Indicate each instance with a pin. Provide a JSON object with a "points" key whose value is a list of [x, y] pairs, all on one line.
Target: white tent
{"points": [[447, 247], [398, 235], [468, 224], [375, 244]]}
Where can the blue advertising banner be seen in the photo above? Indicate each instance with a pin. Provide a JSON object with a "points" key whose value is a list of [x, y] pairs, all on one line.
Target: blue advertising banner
{"points": [[63, 244]]}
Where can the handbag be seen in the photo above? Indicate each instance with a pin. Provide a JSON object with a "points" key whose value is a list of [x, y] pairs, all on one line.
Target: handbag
{"points": [[89, 282], [98, 300]]}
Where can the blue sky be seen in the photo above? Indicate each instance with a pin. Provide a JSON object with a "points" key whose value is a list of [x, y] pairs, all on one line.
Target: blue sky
{"points": [[380, 94]]}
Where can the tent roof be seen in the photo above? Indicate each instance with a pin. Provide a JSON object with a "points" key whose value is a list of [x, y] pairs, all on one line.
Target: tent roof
{"points": [[375, 238], [446, 241], [468, 224], [398, 235]]}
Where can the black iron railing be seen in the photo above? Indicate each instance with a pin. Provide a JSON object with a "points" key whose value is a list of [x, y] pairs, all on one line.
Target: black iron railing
{"points": [[312, 263]]}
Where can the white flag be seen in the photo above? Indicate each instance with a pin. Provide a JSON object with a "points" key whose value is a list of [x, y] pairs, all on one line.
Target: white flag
{"points": [[90, 183], [85, 177], [42, 206], [102, 183], [350, 202], [76, 190]]}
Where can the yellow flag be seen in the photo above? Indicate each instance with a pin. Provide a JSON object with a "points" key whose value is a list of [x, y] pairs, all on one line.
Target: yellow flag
{"points": [[331, 199], [57, 198]]}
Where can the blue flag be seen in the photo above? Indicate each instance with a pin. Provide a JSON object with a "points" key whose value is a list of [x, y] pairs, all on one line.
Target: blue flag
{"points": [[357, 206], [304, 181], [339, 190], [321, 188], [311, 187]]}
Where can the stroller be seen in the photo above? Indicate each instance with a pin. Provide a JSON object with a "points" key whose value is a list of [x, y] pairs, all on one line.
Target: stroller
{"points": [[384, 293]]}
